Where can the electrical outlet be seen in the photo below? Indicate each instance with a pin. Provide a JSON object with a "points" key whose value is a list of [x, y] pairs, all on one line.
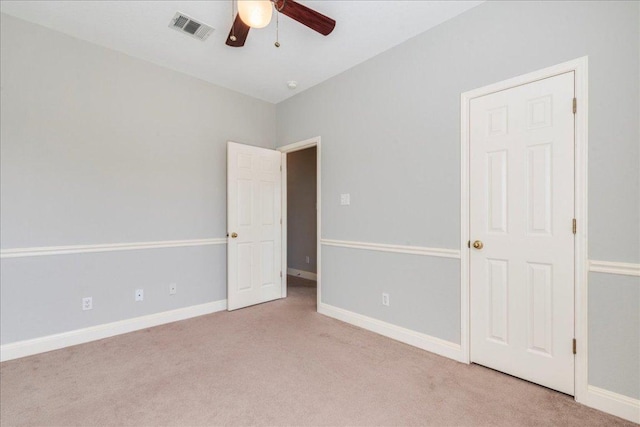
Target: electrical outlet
{"points": [[139, 295], [307, 259], [385, 299], [87, 303], [173, 288]]}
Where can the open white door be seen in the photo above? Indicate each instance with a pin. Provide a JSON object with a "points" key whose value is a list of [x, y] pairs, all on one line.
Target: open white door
{"points": [[253, 225]]}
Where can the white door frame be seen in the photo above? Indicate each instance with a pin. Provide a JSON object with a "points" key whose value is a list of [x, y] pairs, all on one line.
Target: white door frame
{"points": [[580, 67], [297, 146]]}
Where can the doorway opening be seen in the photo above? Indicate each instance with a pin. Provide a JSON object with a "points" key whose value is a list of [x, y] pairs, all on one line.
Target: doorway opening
{"points": [[301, 218]]}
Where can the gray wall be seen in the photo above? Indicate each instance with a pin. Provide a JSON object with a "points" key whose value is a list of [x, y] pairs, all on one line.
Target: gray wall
{"points": [[42, 295], [301, 210], [98, 147], [415, 284], [390, 138], [614, 333]]}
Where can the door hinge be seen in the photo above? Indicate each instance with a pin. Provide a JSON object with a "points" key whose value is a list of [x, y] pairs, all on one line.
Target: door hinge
{"points": [[280, 168], [280, 221], [469, 244], [575, 346], [574, 227], [575, 105], [280, 273]]}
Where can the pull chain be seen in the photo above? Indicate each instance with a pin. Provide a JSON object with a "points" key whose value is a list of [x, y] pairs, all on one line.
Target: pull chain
{"points": [[277, 43], [233, 37], [278, 10]]}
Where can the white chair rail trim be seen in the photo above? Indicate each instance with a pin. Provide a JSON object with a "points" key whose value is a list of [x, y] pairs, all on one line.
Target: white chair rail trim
{"points": [[624, 268], [108, 247], [383, 247]]}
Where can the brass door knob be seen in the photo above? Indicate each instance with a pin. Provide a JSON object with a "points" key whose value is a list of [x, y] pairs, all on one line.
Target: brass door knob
{"points": [[234, 235], [478, 244]]}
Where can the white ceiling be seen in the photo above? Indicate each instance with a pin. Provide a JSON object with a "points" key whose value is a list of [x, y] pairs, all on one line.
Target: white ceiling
{"points": [[140, 29]]}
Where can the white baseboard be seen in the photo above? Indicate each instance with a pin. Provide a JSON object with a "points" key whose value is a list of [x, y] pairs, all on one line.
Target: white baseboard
{"points": [[407, 336], [612, 403], [597, 398], [300, 273], [93, 333]]}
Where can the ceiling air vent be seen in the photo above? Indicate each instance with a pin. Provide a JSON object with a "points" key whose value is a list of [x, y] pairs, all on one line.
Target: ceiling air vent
{"points": [[190, 26]]}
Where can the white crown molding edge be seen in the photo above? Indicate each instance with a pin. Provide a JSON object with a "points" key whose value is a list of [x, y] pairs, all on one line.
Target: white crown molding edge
{"points": [[623, 268], [80, 336], [383, 247], [301, 273], [108, 247], [398, 333], [613, 403]]}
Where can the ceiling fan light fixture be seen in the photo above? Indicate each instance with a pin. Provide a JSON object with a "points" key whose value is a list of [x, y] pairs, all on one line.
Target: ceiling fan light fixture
{"points": [[255, 13]]}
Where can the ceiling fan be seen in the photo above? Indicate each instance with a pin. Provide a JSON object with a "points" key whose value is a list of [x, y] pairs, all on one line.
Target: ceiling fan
{"points": [[257, 14]]}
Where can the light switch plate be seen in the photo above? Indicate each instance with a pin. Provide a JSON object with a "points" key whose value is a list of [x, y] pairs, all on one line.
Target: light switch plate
{"points": [[345, 199]]}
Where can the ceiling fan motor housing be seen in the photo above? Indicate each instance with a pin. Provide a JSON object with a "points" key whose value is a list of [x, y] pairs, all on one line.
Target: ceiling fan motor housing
{"points": [[296, 11]]}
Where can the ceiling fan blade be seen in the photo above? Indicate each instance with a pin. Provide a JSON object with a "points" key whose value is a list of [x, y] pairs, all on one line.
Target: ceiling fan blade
{"points": [[240, 30], [309, 17]]}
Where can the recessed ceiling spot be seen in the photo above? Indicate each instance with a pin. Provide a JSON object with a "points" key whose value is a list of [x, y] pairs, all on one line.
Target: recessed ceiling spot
{"points": [[189, 26]]}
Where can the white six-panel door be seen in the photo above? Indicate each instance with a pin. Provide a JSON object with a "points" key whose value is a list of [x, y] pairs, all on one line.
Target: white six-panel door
{"points": [[253, 224], [521, 215]]}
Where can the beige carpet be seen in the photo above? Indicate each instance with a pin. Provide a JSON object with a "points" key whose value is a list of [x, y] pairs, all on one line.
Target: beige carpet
{"points": [[278, 363]]}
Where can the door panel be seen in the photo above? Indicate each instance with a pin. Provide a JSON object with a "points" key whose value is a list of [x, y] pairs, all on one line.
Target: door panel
{"points": [[538, 183], [540, 309], [497, 188], [254, 212], [521, 209], [498, 302]]}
